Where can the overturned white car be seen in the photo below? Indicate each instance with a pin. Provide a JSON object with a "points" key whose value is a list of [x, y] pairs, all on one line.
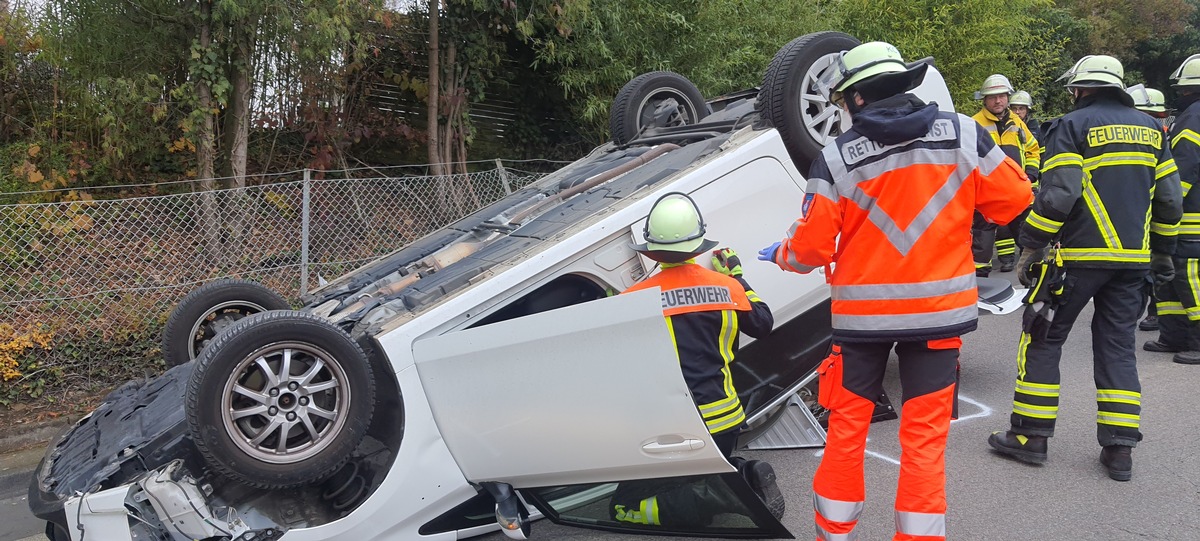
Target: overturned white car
{"points": [[485, 373]]}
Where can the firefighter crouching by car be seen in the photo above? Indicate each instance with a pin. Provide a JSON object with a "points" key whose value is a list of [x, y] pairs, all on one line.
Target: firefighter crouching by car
{"points": [[891, 203], [1153, 103], [705, 311], [1179, 303], [1014, 138], [1110, 205]]}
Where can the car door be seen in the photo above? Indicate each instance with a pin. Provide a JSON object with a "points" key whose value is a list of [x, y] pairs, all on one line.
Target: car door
{"points": [[573, 404]]}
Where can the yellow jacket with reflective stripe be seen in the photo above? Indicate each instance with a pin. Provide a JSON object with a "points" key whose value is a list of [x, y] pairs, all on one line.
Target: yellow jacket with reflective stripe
{"points": [[1185, 147], [1110, 193], [1014, 138]]}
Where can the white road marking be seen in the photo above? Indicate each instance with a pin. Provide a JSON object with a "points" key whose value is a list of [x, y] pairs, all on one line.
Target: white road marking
{"points": [[984, 411]]}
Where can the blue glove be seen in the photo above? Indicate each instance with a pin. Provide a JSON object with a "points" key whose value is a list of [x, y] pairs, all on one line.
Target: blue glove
{"points": [[768, 253]]}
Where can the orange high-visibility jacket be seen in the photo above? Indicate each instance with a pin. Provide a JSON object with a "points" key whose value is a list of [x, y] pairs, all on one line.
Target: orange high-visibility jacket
{"points": [[890, 202]]}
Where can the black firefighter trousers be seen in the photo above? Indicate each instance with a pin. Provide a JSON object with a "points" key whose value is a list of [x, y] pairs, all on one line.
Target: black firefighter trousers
{"points": [[1117, 297]]}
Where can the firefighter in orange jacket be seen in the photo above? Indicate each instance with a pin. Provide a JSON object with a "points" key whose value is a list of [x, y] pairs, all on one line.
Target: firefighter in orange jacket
{"points": [[705, 310], [891, 202]]}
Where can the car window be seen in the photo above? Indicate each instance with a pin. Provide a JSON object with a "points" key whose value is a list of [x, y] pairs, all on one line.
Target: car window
{"points": [[704, 505], [566, 290]]}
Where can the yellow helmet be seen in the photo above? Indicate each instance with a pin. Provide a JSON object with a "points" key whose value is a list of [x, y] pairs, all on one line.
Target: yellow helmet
{"points": [[994, 84], [1147, 99], [1095, 71], [674, 230], [869, 61], [1021, 98], [1188, 73]]}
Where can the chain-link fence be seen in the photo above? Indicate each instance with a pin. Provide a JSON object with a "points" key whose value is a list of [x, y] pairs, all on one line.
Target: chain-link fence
{"points": [[88, 284]]}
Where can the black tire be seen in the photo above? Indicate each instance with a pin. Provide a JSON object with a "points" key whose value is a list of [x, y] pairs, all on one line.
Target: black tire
{"points": [[210, 309], [233, 376], [791, 101], [634, 106]]}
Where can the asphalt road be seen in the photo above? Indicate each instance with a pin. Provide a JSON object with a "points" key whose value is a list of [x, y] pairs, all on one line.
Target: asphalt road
{"points": [[991, 498]]}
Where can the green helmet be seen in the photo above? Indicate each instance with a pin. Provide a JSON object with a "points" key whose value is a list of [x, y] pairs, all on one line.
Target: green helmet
{"points": [[872, 61], [994, 84], [674, 230], [1095, 71], [1147, 99], [1188, 73], [1021, 98]]}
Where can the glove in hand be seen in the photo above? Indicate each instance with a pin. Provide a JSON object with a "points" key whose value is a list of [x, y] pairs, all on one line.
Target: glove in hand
{"points": [[726, 261], [1161, 268], [1028, 258], [1036, 319], [768, 253]]}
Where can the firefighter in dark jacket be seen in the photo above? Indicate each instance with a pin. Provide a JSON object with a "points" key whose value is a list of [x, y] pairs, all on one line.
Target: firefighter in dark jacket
{"points": [[705, 311], [1109, 208], [1151, 102], [1021, 104], [891, 202], [1179, 304]]}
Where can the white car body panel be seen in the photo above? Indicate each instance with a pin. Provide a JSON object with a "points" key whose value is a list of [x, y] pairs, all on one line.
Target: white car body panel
{"points": [[562, 397]]}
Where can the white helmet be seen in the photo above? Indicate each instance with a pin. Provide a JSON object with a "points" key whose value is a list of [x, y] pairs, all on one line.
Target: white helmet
{"points": [[994, 84], [1021, 98], [1147, 99], [1188, 73], [674, 230], [1095, 71]]}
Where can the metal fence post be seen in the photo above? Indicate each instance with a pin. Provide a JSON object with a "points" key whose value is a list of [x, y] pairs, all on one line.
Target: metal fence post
{"points": [[305, 210], [503, 177]]}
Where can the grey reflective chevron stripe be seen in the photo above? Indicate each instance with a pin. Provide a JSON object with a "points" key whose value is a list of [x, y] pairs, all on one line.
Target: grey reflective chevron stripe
{"points": [[924, 524], [894, 322], [993, 159], [904, 239], [837, 510], [823, 535], [822, 187], [919, 290]]}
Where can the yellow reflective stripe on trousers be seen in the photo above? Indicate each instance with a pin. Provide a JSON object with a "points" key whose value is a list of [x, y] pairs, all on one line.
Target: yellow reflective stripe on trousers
{"points": [[1170, 308], [1037, 389], [1101, 254], [1035, 411], [647, 512], [922, 524], [1119, 396], [1022, 345], [1041, 222], [1064, 159], [1128, 420], [1168, 230]]}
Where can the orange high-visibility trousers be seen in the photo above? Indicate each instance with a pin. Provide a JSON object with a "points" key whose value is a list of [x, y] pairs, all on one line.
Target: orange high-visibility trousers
{"points": [[854, 372]]}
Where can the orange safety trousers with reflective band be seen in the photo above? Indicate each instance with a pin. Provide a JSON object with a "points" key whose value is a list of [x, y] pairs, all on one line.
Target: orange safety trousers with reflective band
{"points": [[839, 486]]}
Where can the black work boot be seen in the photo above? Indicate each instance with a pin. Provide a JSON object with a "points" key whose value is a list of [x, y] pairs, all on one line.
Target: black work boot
{"points": [[761, 477], [1187, 357], [1031, 449], [1149, 324], [1158, 347], [1118, 460], [1008, 264]]}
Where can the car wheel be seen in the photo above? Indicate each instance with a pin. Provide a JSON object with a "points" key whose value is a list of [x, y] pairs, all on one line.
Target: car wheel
{"points": [[280, 400], [792, 101], [656, 99], [210, 309]]}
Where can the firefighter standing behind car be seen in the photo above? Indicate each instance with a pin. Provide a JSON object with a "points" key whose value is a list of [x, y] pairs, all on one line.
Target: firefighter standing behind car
{"points": [[891, 202], [1014, 138], [705, 310], [1110, 197], [1179, 304]]}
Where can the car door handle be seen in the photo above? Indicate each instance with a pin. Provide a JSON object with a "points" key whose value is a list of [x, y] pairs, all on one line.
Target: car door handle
{"points": [[675, 447]]}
